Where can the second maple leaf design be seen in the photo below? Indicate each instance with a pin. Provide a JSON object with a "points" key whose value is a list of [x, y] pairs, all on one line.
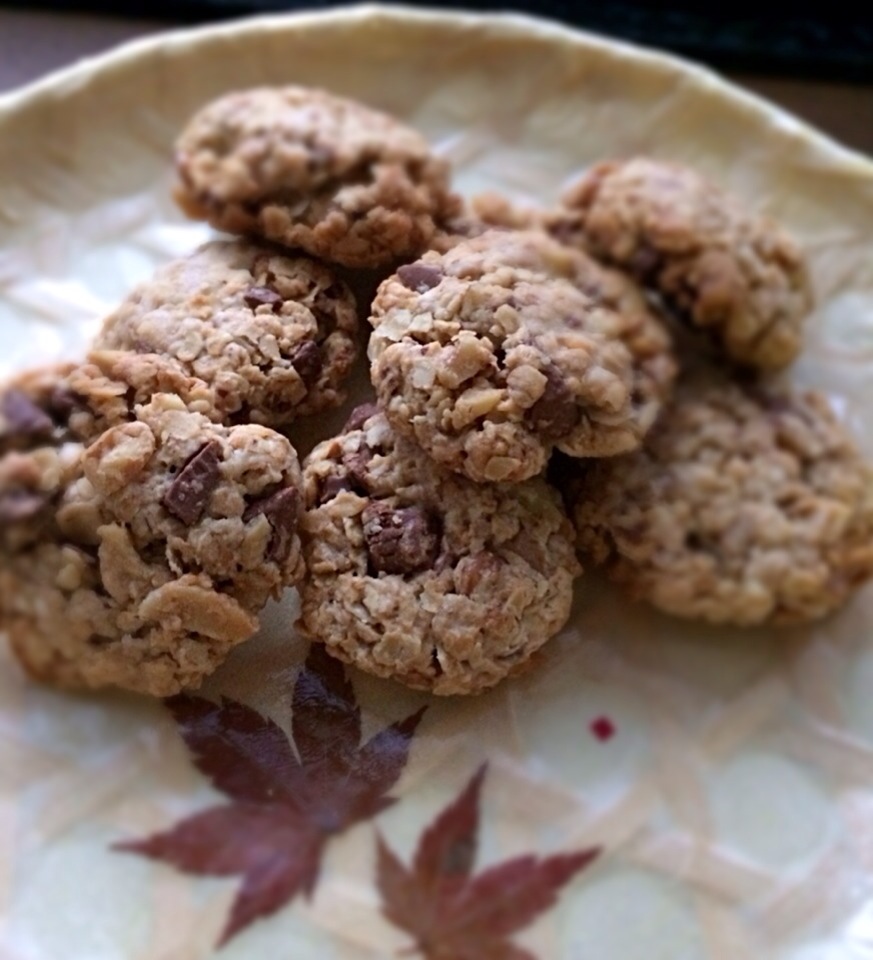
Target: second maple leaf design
{"points": [[453, 915], [285, 806]]}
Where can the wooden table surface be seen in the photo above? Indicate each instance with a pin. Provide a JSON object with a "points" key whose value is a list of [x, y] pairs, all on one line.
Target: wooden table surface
{"points": [[32, 44]]}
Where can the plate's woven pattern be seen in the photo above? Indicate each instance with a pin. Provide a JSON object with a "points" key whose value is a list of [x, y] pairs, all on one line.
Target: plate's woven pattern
{"points": [[733, 800]]}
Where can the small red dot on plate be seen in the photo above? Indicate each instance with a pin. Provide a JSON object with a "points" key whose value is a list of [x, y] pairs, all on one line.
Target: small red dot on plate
{"points": [[603, 728]]}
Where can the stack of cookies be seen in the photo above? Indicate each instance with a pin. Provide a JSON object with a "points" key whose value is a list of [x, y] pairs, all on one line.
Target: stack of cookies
{"points": [[590, 380]]}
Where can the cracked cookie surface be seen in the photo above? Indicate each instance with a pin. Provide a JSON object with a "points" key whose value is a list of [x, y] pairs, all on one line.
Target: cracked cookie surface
{"points": [[139, 561], [742, 507], [420, 575], [273, 336], [313, 172], [717, 265], [509, 345]]}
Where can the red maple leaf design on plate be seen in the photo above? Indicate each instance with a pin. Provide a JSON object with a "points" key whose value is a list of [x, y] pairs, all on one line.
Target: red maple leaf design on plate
{"points": [[453, 915], [285, 806]]}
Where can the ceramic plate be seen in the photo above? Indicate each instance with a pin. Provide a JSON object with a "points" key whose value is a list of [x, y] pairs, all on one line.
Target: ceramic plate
{"points": [[723, 776]]}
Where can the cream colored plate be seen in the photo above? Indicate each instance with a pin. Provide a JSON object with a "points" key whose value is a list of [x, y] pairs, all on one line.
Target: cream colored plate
{"points": [[734, 801]]}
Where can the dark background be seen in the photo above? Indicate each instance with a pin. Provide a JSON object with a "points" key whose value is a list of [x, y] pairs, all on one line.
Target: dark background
{"points": [[832, 40]]}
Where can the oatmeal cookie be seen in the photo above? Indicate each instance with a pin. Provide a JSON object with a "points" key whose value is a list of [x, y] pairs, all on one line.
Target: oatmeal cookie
{"points": [[35, 407], [273, 336], [742, 507], [736, 275], [642, 332], [420, 575], [509, 345], [484, 212], [313, 172], [77, 402], [139, 561]]}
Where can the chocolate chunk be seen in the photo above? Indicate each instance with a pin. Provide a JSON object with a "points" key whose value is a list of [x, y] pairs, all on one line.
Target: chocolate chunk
{"points": [[23, 417], [777, 403], [332, 487], [419, 276], [359, 416], [474, 571], [357, 464], [320, 156], [645, 262], [335, 291], [19, 505], [64, 402], [307, 361], [282, 510], [325, 306], [566, 230], [400, 541], [262, 296], [189, 493], [533, 551], [555, 414]]}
